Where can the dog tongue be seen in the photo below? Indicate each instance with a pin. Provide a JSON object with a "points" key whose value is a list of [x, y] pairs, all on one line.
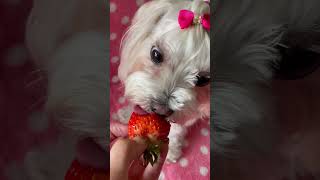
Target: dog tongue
{"points": [[137, 109]]}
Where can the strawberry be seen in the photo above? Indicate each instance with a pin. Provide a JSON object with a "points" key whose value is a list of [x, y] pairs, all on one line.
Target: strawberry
{"points": [[153, 127], [78, 171]]}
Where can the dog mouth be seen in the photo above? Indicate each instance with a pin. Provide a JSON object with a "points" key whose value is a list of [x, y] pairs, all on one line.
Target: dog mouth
{"points": [[138, 109]]}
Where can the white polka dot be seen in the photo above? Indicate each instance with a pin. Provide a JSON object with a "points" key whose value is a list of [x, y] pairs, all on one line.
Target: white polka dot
{"points": [[115, 79], [183, 162], [139, 2], [204, 131], [16, 56], [113, 7], [161, 176], [190, 122], [125, 20], [204, 150], [122, 100], [113, 36], [115, 59], [38, 121], [203, 171]]}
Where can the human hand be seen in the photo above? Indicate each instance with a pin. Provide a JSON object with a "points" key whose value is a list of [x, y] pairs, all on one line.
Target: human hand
{"points": [[117, 130], [126, 162]]}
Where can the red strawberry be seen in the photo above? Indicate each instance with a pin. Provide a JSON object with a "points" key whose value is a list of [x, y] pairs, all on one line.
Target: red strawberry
{"points": [[78, 171], [153, 127]]}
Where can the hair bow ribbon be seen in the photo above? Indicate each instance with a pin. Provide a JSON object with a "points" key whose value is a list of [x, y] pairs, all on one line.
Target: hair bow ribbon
{"points": [[187, 18]]}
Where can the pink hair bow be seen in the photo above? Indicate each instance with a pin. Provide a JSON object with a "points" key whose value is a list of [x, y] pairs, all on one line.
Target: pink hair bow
{"points": [[187, 18]]}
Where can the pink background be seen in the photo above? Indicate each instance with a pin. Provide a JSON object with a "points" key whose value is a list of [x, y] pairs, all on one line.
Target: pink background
{"points": [[195, 162]]}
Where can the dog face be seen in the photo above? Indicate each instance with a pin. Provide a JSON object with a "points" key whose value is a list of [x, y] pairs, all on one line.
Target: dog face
{"points": [[166, 69]]}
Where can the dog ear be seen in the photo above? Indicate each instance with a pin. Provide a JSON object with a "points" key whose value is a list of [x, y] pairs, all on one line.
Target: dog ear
{"points": [[300, 54], [144, 21]]}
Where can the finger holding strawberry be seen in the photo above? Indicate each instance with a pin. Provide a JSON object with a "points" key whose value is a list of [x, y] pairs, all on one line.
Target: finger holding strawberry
{"points": [[117, 130], [125, 160], [147, 142], [154, 128]]}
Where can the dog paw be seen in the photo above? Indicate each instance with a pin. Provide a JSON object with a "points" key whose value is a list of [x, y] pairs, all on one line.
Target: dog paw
{"points": [[124, 114], [176, 143], [174, 154]]}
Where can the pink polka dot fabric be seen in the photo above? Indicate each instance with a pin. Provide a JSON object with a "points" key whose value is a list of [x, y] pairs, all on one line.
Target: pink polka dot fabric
{"points": [[195, 162]]}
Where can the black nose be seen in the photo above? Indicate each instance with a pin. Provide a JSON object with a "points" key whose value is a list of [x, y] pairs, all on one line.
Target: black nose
{"points": [[162, 110]]}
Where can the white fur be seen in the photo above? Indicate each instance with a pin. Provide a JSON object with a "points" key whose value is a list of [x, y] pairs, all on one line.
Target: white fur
{"points": [[77, 86], [186, 53]]}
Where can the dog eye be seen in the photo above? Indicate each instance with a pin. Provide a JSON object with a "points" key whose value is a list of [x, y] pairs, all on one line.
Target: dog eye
{"points": [[155, 55], [203, 79]]}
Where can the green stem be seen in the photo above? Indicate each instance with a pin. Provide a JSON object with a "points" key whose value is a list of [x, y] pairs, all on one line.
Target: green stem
{"points": [[152, 153]]}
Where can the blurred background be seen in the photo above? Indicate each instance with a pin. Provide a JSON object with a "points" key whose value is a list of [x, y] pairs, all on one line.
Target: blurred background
{"points": [[195, 161], [23, 125]]}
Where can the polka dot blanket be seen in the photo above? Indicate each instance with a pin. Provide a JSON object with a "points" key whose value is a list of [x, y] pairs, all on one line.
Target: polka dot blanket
{"points": [[195, 162]]}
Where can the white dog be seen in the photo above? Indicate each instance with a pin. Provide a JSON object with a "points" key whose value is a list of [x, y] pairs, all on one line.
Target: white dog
{"points": [[166, 69]]}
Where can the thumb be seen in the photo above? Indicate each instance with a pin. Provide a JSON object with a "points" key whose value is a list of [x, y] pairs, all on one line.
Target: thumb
{"points": [[118, 129], [123, 152]]}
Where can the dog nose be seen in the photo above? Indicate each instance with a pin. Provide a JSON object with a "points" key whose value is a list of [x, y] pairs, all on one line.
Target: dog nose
{"points": [[162, 110]]}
